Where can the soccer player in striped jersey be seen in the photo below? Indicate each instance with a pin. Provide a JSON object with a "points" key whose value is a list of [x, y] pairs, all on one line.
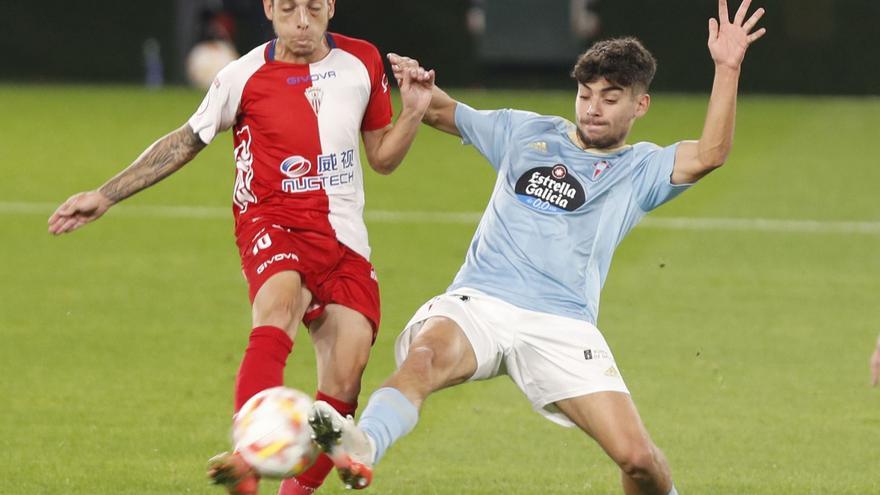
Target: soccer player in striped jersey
{"points": [[525, 303], [296, 106]]}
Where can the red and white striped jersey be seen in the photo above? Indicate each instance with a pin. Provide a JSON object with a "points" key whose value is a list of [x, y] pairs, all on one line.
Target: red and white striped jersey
{"points": [[297, 130]]}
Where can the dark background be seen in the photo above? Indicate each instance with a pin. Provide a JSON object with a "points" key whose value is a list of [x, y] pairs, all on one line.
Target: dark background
{"points": [[813, 46]]}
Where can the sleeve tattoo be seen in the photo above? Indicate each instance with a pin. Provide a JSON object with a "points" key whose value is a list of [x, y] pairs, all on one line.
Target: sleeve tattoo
{"points": [[161, 159]]}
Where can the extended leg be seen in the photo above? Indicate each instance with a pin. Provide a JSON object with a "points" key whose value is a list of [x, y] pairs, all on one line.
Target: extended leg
{"points": [[277, 310], [439, 357], [612, 420]]}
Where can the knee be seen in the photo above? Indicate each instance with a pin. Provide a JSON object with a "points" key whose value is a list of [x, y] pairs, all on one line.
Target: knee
{"points": [[420, 361], [641, 462], [352, 370]]}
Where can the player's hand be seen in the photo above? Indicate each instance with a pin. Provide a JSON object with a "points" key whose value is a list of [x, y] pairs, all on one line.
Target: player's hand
{"points": [[728, 40], [415, 82], [875, 366], [400, 64], [77, 211]]}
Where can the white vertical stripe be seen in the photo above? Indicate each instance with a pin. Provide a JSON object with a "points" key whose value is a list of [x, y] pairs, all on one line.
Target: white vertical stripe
{"points": [[344, 101]]}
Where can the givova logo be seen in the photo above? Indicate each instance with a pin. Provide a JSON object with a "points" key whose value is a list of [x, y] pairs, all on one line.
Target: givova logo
{"points": [[550, 189], [310, 78]]}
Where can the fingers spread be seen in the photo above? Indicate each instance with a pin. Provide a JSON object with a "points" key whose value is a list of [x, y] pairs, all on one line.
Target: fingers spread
{"points": [[757, 35], [753, 20], [713, 29], [741, 12], [723, 16]]}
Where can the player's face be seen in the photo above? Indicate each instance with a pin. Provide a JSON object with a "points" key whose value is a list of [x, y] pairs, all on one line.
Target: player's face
{"points": [[300, 26], [606, 112]]}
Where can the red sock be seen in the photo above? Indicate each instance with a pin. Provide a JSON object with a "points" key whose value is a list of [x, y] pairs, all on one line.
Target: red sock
{"points": [[310, 480], [263, 364]]}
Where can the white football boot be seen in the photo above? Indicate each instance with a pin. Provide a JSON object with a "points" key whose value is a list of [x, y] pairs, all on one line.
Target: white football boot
{"points": [[350, 449]]}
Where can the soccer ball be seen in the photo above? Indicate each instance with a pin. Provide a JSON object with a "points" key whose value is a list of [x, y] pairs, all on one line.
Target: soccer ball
{"points": [[272, 433], [206, 59]]}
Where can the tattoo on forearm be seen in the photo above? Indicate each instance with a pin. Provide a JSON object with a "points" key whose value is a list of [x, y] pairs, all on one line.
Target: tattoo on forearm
{"points": [[161, 159]]}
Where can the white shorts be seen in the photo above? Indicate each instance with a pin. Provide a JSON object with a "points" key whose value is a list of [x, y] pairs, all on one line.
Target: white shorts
{"points": [[549, 357]]}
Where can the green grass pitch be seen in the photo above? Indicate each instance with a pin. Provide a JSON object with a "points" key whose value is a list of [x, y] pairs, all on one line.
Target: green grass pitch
{"points": [[745, 348]]}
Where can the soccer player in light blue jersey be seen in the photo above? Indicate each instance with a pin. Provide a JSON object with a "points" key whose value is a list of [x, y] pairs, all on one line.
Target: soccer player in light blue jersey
{"points": [[526, 300]]}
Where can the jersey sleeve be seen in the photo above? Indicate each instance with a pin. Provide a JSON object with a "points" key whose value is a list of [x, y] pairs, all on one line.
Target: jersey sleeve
{"points": [[218, 110], [379, 112], [488, 130], [652, 176]]}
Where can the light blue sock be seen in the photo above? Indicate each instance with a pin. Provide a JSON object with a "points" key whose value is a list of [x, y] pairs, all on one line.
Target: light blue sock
{"points": [[388, 416], [673, 491]]}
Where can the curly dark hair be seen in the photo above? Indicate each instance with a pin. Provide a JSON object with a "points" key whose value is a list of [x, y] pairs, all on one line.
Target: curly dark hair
{"points": [[622, 61]]}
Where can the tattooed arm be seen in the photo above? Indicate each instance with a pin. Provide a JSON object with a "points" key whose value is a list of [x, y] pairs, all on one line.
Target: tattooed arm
{"points": [[164, 157]]}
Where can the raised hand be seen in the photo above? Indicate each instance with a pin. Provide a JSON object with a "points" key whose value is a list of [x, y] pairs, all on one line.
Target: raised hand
{"points": [[728, 41], [415, 82], [77, 211]]}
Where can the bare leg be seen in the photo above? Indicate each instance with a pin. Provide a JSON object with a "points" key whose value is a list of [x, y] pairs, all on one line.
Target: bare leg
{"points": [[342, 339], [277, 310], [281, 302], [612, 420], [440, 356]]}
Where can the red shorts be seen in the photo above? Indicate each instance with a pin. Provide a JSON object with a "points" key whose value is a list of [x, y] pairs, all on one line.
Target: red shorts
{"points": [[330, 270]]}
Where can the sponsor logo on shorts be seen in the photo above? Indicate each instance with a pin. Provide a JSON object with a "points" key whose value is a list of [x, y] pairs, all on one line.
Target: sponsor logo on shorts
{"points": [[274, 259], [596, 354], [550, 189], [612, 372]]}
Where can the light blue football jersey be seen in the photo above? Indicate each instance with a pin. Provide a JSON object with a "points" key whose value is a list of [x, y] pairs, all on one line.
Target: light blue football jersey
{"points": [[557, 212]]}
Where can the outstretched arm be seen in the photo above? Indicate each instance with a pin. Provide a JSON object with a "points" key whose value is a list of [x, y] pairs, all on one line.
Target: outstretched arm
{"points": [[385, 148], [728, 42], [161, 159], [441, 110]]}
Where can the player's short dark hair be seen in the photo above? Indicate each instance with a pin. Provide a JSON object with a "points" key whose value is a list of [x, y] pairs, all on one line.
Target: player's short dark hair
{"points": [[622, 61]]}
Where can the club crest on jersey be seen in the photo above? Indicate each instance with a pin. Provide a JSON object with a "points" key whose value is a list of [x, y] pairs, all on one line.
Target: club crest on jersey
{"points": [[599, 168], [295, 166], [314, 94], [550, 189]]}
